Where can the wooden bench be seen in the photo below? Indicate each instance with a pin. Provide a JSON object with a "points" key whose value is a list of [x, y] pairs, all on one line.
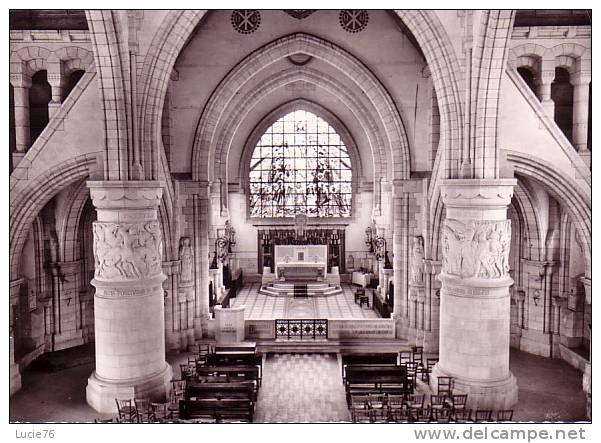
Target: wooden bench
{"points": [[386, 358], [376, 379], [236, 359], [226, 409], [232, 373], [236, 390], [248, 347]]}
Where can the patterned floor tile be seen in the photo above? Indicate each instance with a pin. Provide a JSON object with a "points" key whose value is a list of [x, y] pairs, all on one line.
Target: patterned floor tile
{"points": [[261, 306], [301, 388]]}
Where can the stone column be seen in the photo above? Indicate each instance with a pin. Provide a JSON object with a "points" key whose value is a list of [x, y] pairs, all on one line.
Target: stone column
{"points": [[129, 299], [173, 340], [580, 112], [21, 84], [544, 91], [202, 249], [431, 306], [475, 305], [55, 79], [186, 292], [15, 374], [399, 250], [67, 328]]}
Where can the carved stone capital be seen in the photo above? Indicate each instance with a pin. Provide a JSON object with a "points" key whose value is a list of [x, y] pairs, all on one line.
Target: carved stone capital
{"points": [[19, 80], [171, 267], [432, 267], [477, 199], [128, 195], [559, 302]]}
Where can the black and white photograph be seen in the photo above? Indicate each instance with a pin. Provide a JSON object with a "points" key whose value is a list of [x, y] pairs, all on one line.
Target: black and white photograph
{"points": [[311, 216]]}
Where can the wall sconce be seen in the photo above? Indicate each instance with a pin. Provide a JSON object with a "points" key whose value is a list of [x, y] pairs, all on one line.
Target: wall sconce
{"points": [[380, 248], [536, 297]]}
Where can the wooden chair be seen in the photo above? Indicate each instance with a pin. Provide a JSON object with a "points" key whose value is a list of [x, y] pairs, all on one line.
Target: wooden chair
{"points": [[360, 409], [441, 415], [483, 415], [397, 408], [127, 411], [359, 293], [160, 413], [405, 357], [505, 415], [417, 354], [463, 416], [420, 415], [458, 402], [187, 371], [437, 403], [427, 370], [415, 401], [378, 406], [178, 391], [142, 409], [445, 386]]}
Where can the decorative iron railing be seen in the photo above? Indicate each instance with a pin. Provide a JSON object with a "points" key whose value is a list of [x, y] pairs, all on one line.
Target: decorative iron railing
{"points": [[301, 328]]}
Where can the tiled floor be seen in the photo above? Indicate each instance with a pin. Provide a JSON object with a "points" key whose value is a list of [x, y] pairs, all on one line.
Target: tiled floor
{"points": [[302, 387], [260, 306]]}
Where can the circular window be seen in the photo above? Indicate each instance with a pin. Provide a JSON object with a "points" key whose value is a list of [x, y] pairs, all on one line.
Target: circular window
{"points": [[353, 20], [246, 21]]}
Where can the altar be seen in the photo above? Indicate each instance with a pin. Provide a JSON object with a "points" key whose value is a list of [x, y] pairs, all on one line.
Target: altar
{"points": [[301, 262]]}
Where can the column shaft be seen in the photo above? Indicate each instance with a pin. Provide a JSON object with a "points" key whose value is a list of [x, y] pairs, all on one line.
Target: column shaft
{"points": [[129, 300], [22, 135], [580, 116], [475, 304]]}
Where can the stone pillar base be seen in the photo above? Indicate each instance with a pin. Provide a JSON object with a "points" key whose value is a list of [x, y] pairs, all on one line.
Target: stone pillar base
{"points": [[495, 395], [17, 157], [535, 342], [68, 339], [101, 393], [15, 378]]}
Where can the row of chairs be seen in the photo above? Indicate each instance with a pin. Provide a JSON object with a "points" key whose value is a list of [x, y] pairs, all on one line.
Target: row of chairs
{"points": [[415, 362], [142, 411], [411, 408]]}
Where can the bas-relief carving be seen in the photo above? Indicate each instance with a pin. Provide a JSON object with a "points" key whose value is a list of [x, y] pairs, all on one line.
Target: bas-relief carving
{"points": [[476, 249], [416, 269], [127, 250], [186, 256]]}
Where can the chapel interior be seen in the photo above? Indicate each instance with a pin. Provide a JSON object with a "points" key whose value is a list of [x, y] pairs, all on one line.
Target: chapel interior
{"points": [[300, 215]]}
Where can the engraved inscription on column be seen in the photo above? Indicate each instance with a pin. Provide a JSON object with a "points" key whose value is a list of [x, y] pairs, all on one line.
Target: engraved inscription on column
{"points": [[477, 249], [127, 251]]}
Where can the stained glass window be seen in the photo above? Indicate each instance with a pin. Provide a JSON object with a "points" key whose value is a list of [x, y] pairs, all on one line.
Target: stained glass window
{"points": [[300, 166]]}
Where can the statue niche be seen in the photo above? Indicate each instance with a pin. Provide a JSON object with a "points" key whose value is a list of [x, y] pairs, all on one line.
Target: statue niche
{"points": [[186, 256], [416, 269]]}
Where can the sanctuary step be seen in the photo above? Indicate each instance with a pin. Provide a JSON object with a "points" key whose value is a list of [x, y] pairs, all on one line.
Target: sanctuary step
{"points": [[287, 289], [359, 346]]}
